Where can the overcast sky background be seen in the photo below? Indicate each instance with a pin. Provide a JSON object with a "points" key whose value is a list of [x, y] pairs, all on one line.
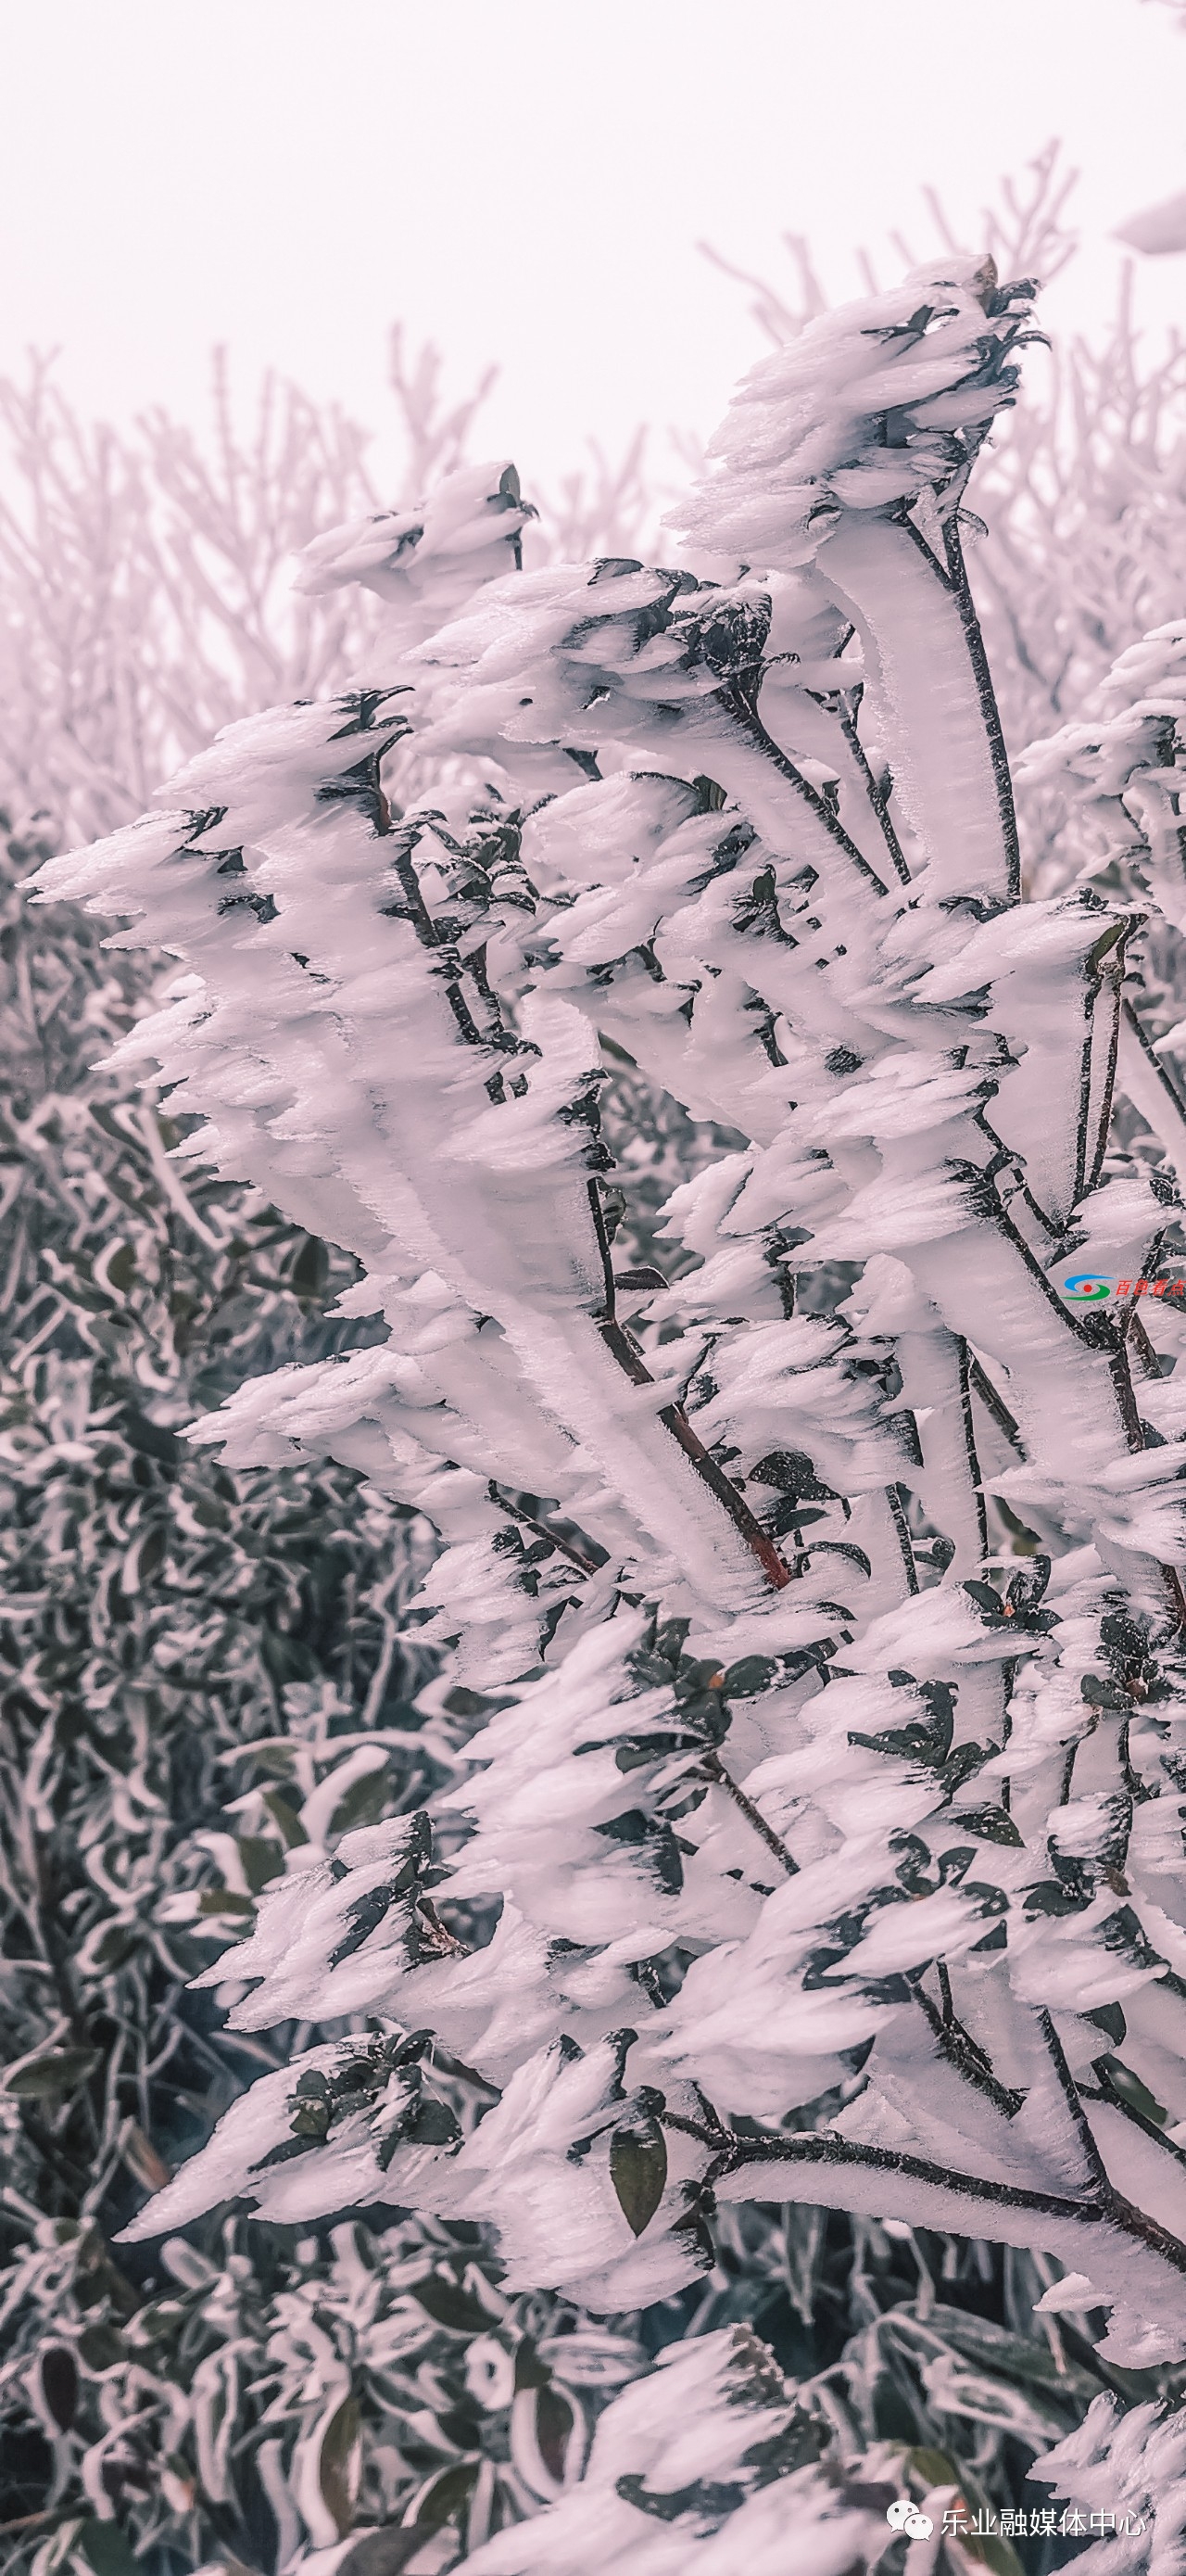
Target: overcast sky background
{"points": [[527, 182]]}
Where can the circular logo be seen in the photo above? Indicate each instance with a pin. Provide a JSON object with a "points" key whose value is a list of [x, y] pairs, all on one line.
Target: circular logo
{"points": [[903, 2515], [1088, 1287]]}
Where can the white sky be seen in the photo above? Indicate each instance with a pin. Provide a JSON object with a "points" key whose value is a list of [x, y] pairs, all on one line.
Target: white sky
{"points": [[526, 181]]}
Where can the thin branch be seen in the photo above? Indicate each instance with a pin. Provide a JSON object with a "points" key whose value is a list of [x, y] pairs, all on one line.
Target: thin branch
{"points": [[872, 790], [1076, 2114], [381, 1674], [956, 582], [996, 1407], [629, 1359], [586, 1564], [720, 1486], [1133, 1332], [170, 1183], [715, 1770]]}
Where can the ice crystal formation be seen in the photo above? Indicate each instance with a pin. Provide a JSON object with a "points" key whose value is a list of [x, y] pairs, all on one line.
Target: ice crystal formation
{"points": [[823, 1836]]}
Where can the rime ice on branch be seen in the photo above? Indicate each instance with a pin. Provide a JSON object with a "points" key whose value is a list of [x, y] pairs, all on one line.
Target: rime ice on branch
{"points": [[833, 1779]]}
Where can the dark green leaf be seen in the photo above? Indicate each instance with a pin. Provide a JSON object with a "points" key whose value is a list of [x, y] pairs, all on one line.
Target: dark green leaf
{"points": [[668, 2504], [1100, 1694], [704, 1674], [433, 2125], [445, 2496], [530, 2371], [121, 1269], [151, 1438], [993, 1824], [363, 1802], [449, 2305], [106, 2549], [1049, 1898], [932, 2468], [100, 2347], [59, 2384], [753, 1673], [993, 2553], [61, 2070], [310, 1270], [115, 1945], [793, 1473], [262, 1860], [333, 2473], [553, 2430], [286, 1820], [310, 2119], [638, 2171], [152, 1554]]}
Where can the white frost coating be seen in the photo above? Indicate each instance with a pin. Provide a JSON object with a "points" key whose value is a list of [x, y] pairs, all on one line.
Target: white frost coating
{"points": [[1120, 2267], [427, 562], [807, 430], [1118, 780], [826, 1628], [1145, 1082], [929, 712], [1133, 2465], [691, 2436]]}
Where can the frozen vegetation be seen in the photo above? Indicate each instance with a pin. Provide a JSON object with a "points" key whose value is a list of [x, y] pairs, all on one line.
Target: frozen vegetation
{"points": [[694, 1864]]}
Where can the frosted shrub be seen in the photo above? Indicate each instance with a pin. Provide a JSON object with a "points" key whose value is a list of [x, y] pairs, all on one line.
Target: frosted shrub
{"points": [[708, 2464], [1079, 540], [192, 1681], [819, 1583]]}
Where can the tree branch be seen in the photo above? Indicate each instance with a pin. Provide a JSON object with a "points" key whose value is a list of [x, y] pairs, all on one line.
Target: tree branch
{"points": [[715, 1770], [629, 1359]]}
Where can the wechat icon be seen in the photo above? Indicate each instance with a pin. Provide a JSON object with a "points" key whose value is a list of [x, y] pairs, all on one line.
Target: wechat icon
{"points": [[902, 2515]]}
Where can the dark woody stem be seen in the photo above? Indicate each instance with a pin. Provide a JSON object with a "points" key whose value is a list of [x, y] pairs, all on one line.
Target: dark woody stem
{"points": [[630, 1360], [1133, 1332], [715, 1770], [873, 789], [583, 1558], [1105, 2206]]}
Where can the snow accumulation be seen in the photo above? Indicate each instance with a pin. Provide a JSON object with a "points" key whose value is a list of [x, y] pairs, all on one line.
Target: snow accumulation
{"points": [[823, 1595]]}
